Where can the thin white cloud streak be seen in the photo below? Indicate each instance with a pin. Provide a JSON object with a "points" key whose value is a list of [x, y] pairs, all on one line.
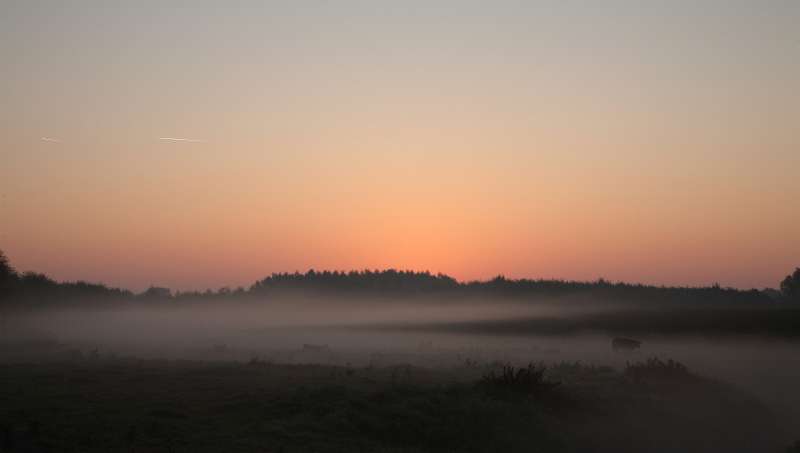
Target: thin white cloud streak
{"points": [[48, 139], [174, 139]]}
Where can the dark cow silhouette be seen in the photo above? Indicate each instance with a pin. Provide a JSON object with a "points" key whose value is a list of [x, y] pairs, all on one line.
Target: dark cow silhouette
{"points": [[625, 344]]}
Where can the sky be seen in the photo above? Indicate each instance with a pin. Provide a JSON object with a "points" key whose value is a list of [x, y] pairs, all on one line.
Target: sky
{"points": [[642, 141]]}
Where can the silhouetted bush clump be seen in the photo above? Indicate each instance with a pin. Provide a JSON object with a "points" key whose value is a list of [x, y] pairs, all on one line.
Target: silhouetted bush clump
{"points": [[655, 368], [515, 382]]}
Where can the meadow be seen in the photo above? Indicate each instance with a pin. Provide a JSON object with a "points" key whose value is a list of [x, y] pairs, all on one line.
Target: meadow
{"points": [[92, 401]]}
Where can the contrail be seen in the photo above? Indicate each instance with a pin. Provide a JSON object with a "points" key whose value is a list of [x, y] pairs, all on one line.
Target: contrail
{"points": [[173, 139], [48, 139]]}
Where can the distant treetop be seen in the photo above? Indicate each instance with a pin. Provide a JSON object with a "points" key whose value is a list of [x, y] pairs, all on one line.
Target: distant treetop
{"points": [[35, 288], [790, 286]]}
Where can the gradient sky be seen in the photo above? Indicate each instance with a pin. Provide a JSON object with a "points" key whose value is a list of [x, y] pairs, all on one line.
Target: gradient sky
{"points": [[648, 141]]}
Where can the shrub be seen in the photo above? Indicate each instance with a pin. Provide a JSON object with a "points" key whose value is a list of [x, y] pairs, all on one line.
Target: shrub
{"points": [[514, 382], [655, 368]]}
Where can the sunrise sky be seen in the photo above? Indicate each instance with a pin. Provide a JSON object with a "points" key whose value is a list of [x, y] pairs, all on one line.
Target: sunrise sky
{"points": [[646, 141]]}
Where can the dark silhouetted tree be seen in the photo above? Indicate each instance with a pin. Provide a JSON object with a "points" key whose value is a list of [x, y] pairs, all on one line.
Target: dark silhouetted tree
{"points": [[790, 286], [5, 267], [8, 277], [156, 293]]}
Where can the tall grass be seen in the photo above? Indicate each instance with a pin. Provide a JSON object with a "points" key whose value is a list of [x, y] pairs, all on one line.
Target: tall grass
{"points": [[515, 382], [655, 368]]}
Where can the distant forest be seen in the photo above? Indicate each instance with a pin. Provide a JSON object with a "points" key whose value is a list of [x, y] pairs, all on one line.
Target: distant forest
{"points": [[36, 289]]}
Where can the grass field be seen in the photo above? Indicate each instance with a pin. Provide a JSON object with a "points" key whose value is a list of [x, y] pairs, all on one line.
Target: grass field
{"points": [[102, 404]]}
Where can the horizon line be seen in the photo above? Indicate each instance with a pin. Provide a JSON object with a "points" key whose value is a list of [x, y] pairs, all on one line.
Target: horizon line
{"points": [[460, 282]]}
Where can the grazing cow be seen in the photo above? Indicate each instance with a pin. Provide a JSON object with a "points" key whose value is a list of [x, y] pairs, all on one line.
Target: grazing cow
{"points": [[625, 344]]}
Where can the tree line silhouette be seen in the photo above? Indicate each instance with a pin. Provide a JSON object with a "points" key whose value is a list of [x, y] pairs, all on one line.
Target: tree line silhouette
{"points": [[32, 289]]}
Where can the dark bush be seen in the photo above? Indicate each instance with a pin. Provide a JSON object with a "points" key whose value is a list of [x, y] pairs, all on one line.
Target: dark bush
{"points": [[516, 382], [655, 368]]}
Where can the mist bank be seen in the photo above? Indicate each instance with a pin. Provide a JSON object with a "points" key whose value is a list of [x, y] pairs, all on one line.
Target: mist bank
{"points": [[288, 324], [767, 322]]}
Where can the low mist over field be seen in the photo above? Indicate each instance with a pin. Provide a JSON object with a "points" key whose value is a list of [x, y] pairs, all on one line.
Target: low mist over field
{"points": [[419, 329], [426, 226]]}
